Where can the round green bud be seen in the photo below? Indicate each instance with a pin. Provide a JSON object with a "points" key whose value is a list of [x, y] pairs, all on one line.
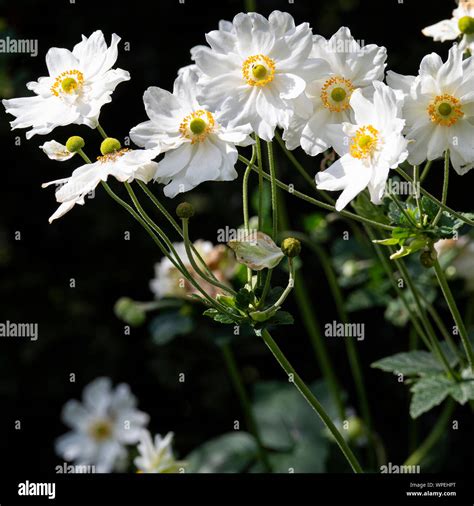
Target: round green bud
{"points": [[259, 71], [355, 428], [185, 210], [128, 311], [466, 25], [109, 145], [198, 126], [75, 143], [445, 109], [428, 258], [291, 247], [338, 94], [69, 84]]}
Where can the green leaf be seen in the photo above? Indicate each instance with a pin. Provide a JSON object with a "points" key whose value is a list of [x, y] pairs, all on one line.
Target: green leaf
{"points": [[217, 316], [428, 392], [429, 207], [391, 241], [231, 453], [464, 390], [243, 298], [167, 326], [281, 318]]}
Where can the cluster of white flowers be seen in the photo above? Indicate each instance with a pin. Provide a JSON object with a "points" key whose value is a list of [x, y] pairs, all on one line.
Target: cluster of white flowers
{"points": [[102, 427], [257, 75]]}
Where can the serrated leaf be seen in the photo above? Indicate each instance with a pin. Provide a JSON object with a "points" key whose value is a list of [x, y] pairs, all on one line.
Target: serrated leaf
{"points": [[428, 392], [410, 363], [464, 390], [230, 453], [217, 316]]}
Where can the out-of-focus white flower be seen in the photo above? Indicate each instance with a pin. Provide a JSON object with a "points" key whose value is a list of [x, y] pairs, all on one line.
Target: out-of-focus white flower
{"points": [[256, 70], [198, 148], [105, 422], [368, 149], [79, 84], [349, 67], [462, 259], [125, 165], [169, 282], [56, 151], [156, 456], [439, 109], [460, 25]]}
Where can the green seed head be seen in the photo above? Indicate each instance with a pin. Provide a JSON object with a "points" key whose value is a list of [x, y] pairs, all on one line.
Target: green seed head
{"points": [[291, 247], [109, 145], [75, 143], [69, 84], [259, 71], [185, 210], [445, 109], [338, 94], [198, 126], [466, 25]]}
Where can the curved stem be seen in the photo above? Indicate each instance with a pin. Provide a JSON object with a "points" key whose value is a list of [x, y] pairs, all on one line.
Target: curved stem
{"points": [[101, 131], [239, 387], [271, 163], [192, 261], [426, 170], [311, 400], [454, 312], [319, 203], [444, 196], [245, 202], [420, 453]]}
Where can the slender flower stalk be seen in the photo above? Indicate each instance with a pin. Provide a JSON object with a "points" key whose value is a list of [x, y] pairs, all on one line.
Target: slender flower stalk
{"points": [[444, 196], [311, 400]]}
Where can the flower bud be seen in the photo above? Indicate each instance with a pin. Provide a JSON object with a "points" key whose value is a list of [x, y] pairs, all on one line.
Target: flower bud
{"points": [[291, 247], [109, 145], [128, 311], [75, 143], [185, 210], [466, 25]]}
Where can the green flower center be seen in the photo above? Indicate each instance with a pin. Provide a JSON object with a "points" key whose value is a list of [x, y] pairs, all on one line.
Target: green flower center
{"points": [[69, 84], [259, 71], [364, 141], [445, 109], [338, 94], [466, 25], [197, 126], [100, 430]]}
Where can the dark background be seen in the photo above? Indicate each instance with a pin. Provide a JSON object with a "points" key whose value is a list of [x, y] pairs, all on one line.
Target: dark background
{"points": [[78, 332]]}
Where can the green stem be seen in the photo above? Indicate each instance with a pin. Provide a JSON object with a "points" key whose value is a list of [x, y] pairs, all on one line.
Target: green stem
{"points": [[239, 387], [403, 210], [318, 203], [426, 170], [438, 430], [101, 131], [436, 201], [444, 196], [311, 400], [271, 163], [416, 179], [258, 146], [454, 312], [245, 202], [194, 265]]}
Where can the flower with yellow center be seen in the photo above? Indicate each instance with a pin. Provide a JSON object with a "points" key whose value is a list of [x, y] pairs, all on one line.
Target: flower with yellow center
{"points": [[439, 109], [80, 82], [445, 110], [349, 67], [368, 148], [197, 147], [102, 426], [256, 70]]}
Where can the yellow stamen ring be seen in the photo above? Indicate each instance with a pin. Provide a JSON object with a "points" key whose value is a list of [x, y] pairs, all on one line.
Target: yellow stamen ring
{"points": [[364, 142], [445, 110], [67, 82], [336, 93], [258, 70], [197, 125]]}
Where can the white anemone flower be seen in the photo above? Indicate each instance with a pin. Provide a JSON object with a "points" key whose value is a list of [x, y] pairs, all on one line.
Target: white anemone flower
{"points": [[460, 25], [349, 67], [256, 70], [368, 149], [439, 109], [102, 426], [57, 151], [156, 456], [125, 165], [79, 84], [197, 147]]}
